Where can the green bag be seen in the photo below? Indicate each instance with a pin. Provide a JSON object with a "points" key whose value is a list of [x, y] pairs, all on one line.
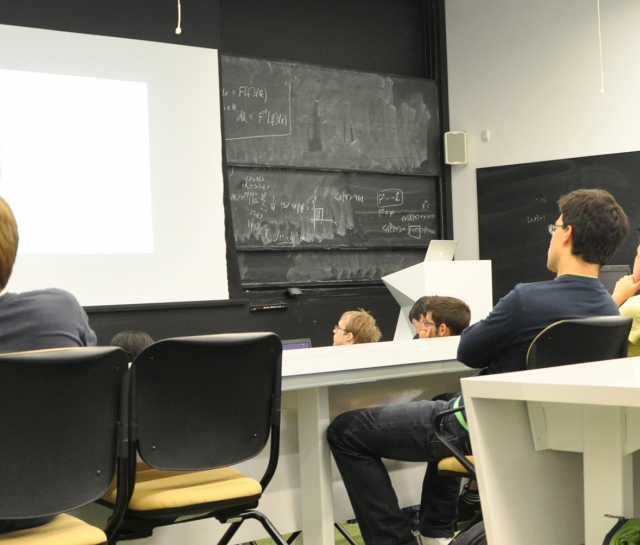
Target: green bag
{"points": [[624, 532]]}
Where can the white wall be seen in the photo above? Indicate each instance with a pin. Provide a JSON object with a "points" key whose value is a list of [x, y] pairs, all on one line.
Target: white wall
{"points": [[529, 72]]}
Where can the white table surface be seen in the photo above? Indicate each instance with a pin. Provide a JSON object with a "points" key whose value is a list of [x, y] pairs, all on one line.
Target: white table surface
{"points": [[553, 450], [331, 365], [310, 372]]}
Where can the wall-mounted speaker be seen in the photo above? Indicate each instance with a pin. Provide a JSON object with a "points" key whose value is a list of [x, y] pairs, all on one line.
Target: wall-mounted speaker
{"points": [[455, 148]]}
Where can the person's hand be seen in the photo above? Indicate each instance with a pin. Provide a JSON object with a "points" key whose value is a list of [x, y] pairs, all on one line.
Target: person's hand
{"points": [[636, 267], [427, 333], [625, 287]]}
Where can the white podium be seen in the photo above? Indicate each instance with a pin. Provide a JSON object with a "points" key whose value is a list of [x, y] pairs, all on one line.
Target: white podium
{"points": [[466, 280]]}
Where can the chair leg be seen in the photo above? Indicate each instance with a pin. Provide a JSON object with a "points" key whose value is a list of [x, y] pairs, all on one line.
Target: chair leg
{"points": [[266, 524], [233, 528], [293, 537], [345, 534]]}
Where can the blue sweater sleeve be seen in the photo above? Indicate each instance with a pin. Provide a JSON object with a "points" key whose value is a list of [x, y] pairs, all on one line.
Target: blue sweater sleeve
{"points": [[483, 341]]}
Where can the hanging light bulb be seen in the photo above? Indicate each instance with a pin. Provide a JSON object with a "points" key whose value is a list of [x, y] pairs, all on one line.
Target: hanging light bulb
{"points": [[178, 29]]}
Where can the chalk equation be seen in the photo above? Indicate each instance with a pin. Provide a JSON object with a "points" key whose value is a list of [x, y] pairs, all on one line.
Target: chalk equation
{"points": [[390, 197], [250, 106], [288, 115], [282, 208], [537, 218]]}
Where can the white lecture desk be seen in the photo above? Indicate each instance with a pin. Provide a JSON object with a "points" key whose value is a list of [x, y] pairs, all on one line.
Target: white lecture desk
{"points": [[311, 372], [553, 450]]}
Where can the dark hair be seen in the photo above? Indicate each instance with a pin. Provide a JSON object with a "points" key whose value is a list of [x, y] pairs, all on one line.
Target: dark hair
{"points": [[132, 342], [420, 307], [599, 224], [452, 312], [8, 242]]}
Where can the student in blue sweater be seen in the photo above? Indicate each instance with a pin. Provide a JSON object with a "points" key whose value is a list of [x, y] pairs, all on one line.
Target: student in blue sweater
{"points": [[589, 230]]}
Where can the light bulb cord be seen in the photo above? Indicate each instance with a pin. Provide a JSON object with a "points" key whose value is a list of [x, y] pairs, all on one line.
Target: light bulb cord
{"points": [[600, 42]]}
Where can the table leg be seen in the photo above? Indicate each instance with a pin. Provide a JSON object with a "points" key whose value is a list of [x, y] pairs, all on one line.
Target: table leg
{"points": [[315, 467], [608, 478]]}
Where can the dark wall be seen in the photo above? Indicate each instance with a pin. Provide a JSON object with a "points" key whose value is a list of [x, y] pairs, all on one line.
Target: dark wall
{"points": [[389, 36], [311, 315], [385, 36], [151, 20]]}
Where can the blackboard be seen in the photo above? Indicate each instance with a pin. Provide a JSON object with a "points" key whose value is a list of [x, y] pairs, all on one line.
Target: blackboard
{"points": [[323, 267], [298, 115], [516, 203], [275, 209]]}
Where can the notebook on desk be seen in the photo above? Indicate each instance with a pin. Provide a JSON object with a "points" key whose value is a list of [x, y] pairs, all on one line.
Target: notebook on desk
{"points": [[610, 274], [294, 344]]}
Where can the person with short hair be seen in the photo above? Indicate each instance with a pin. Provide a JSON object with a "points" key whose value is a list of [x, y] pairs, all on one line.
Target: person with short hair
{"points": [[446, 316], [132, 342], [418, 314], [589, 230], [34, 320], [356, 327]]}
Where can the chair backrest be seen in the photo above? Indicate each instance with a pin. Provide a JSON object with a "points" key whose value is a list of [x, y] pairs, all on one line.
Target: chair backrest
{"points": [[579, 341], [58, 427], [208, 401]]}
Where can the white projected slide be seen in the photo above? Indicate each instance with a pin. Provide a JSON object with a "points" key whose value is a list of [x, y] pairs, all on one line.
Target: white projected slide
{"points": [[72, 147], [110, 156]]}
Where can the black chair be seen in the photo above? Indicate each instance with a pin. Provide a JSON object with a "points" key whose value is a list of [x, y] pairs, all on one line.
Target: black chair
{"points": [[59, 449], [579, 341], [565, 342], [198, 406]]}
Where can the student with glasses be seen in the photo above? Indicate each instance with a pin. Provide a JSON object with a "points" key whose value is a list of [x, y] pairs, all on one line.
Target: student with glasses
{"points": [[446, 316], [439, 316], [590, 229], [356, 327]]}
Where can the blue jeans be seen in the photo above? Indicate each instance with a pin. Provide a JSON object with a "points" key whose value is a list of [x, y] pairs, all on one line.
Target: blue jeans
{"points": [[359, 439]]}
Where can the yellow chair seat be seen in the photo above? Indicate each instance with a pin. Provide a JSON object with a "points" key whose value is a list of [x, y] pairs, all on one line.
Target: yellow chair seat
{"points": [[452, 465], [160, 489], [62, 530]]}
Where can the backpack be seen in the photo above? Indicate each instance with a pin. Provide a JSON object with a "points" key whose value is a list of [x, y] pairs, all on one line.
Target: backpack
{"points": [[624, 532], [473, 536]]}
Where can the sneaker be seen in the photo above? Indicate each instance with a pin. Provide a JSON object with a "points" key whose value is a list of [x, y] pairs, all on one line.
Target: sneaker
{"points": [[468, 504], [435, 540]]}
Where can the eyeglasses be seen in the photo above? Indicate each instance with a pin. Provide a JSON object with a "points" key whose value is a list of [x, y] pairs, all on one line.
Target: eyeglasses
{"points": [[427, 324], [552, 228], [339, 328]]}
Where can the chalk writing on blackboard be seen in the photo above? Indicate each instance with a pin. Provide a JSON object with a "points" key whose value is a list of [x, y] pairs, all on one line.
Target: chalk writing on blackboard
{"points": [[389, 197], [286, 114], [253, 112], [312, 209]]}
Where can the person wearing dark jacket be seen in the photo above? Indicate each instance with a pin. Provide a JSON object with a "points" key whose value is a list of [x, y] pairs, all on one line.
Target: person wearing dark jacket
{"points": [[589, 230]]}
